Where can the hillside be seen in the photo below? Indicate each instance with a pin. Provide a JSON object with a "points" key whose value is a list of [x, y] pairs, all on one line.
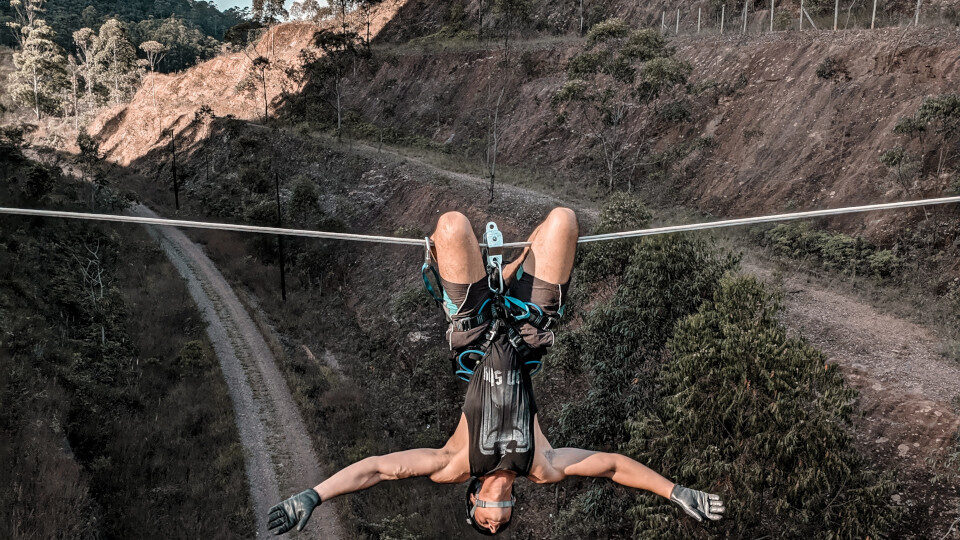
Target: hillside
{"points": [[760, 126]]}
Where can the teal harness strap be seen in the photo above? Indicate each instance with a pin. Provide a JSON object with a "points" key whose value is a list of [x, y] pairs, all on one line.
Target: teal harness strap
{"points": [[505, 312]]}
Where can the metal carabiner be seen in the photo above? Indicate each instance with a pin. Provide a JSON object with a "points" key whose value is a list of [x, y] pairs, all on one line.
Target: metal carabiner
{"points": [[493, 252]]}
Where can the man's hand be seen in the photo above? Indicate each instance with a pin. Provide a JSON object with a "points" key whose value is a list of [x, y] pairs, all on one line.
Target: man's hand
{"points": [[294, 511], [697, 503]]}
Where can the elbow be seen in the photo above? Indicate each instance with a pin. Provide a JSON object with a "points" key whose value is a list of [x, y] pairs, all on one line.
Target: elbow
{"points": [[386, 470], [611, 466]]}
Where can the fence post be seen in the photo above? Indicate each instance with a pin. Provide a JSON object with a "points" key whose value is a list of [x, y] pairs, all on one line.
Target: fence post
{"points": [[677, 31], [771, 15], [836, 13], [698, 19], [663, 22], [916, 17], [873, 18], [745, 7], [723, 10], [801, 15]]}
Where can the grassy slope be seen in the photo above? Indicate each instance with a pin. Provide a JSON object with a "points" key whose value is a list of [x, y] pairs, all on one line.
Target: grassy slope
{"points": [[115, 419]]}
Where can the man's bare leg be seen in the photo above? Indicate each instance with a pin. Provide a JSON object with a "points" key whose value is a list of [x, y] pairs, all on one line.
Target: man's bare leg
{"points": [[457, 250], [554, 245]]}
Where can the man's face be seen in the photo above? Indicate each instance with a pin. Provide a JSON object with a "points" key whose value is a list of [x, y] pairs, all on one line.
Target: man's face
{"points": [[491, 518]]}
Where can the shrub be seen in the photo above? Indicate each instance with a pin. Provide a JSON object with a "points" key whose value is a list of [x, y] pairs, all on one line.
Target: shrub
{"points": [[832, 68], [833, 251], [666, 279], [674, 111], [37, 182], [193, 358], [622, 211], [745, 410]]}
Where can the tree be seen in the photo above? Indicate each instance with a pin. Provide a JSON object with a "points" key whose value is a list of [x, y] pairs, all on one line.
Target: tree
{"points": [[39, 77], [619, 73], [743, 409], [493, 142], [73, 73], [185, 45], [115, 60], [310, 10], [25, 14], [341, 8], [85, 40], [340, 50], [255, 83], [269, 11], [366, 9], [155, 52], [513, 13]]}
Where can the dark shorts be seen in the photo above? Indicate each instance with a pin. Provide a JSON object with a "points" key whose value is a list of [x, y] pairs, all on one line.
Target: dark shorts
{"points": [[463, 301]]}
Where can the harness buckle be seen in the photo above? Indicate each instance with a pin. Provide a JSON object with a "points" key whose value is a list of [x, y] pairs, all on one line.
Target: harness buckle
{"points": [[493, 251]]}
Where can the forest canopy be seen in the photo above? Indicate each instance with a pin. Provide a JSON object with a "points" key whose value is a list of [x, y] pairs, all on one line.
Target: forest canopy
{"points": [[67, 16]]}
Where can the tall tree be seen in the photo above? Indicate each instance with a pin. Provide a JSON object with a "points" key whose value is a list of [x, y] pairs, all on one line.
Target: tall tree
{"points": [[513, 13], [341, 8], [85, 41], [74, 74], [185, 44], [116, 60], [340, 50], [269, 11], [40, 76], [366, 9], [255, 83], [25, 14], [155, 52]]}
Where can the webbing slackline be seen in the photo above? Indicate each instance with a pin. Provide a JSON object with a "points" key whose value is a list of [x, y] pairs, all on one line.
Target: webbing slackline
{"points": [[419, 241]]}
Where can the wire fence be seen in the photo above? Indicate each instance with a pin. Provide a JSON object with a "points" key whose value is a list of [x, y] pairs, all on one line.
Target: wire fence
{"points": [[746, 17]]}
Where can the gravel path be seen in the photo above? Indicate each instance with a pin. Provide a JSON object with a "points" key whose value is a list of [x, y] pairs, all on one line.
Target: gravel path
{"points": [[279, 455]]}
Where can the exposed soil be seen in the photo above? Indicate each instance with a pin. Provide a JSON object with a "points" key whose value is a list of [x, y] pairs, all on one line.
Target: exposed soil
{"points": [[279, 455]]}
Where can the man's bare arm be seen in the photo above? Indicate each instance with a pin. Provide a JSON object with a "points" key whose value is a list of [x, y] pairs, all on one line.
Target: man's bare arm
{"points": [[396, 466], [628, 472], [621, 469]]}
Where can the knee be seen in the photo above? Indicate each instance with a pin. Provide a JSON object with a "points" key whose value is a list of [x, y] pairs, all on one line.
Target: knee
{"points": [[453, 225], [563, 220]]}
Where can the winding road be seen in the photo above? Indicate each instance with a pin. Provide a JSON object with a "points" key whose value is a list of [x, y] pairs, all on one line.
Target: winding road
{"points": [[278, 453]]}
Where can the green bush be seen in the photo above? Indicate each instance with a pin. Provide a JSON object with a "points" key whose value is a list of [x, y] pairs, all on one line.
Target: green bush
{"points": [[745, 410], [833, 251], [621, 212], [666, 279]]}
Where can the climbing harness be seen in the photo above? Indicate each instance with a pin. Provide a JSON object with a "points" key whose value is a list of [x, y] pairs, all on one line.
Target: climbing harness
{"points": [[504, 313]]}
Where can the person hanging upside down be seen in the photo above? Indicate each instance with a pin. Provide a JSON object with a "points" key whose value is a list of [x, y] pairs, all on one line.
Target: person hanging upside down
{"points": [[498, 333]]}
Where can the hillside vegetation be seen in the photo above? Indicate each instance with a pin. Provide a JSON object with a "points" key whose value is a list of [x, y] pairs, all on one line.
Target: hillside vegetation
{"points": [[67, 16], [114, 417]]}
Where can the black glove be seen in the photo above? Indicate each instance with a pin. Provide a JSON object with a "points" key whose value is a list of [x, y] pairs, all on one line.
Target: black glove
{"points": [[294, 511], [697, 503]]}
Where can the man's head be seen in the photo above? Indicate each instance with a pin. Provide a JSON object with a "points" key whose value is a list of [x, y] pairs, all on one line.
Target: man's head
{"points": [[489, 502]]}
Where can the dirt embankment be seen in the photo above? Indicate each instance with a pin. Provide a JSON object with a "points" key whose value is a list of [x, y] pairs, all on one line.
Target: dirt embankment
{"points": [[781, 137], [171, 101]]}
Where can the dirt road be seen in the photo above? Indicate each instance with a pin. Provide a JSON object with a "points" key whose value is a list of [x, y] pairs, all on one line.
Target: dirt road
{"points": [[279, 456]]}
